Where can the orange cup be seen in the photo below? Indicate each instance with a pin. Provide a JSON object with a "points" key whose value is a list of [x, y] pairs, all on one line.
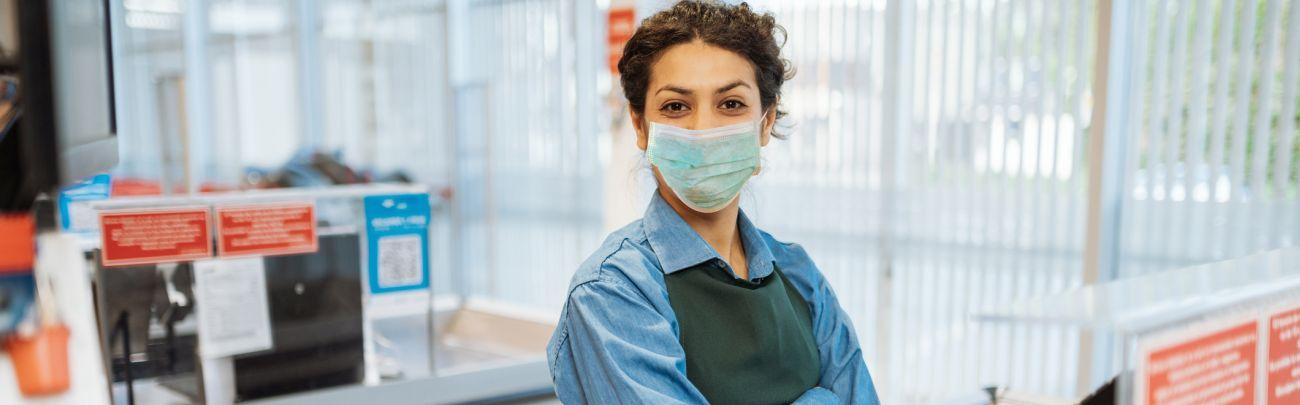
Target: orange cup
{"points": [[41, 360]]}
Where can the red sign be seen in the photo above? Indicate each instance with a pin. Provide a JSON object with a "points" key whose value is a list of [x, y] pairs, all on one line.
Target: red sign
{"points": [[622, 24], [17, 243], [266, 229], [1283, 377], [154, 235], [1218, 367]]}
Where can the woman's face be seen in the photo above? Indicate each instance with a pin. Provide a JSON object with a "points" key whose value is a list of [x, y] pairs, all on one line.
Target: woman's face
{"points": [[700, 86]]}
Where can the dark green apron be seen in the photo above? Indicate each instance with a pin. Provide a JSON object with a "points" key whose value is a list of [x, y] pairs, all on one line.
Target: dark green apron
{"points": [[745, 342]]}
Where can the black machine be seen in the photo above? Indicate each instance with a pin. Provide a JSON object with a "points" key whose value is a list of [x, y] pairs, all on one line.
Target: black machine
{"points": [[315, 304], [316, 324]]}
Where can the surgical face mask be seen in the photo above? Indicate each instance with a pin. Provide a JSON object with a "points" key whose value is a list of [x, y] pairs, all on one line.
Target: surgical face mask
{"points": [[705, 168]]}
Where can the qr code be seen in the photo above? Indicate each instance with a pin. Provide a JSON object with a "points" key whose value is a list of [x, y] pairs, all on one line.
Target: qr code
{"points": [[400, 263]]}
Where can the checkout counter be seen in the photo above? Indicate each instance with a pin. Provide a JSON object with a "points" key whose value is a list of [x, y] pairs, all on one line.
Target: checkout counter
{"points": [[316, 295]]}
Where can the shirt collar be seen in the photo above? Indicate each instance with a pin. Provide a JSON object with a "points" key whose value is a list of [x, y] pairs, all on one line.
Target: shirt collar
{"points": [[678, 247]]}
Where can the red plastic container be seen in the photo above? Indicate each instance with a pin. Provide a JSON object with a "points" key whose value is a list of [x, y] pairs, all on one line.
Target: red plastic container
{"points": [[41, 360]]}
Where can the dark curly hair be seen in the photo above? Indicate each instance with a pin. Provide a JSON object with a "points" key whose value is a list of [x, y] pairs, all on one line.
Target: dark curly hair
{"points": [[736, 28]]}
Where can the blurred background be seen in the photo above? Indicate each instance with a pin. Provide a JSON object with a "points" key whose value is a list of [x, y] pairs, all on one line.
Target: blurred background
{"points": [[944, 154]]}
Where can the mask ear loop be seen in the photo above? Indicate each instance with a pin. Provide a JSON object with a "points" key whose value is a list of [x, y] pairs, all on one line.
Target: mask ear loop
{"points": [[759, 167]]}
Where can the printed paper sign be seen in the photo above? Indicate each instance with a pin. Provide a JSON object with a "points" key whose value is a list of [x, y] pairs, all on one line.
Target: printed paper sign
{"points": [[154, 236], [397, 242], [232, 306], [1283, 367], [267, 229], [1216, 367]]}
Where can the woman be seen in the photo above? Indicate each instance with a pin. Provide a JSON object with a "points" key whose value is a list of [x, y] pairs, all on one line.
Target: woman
{"points": [[693, 303]]}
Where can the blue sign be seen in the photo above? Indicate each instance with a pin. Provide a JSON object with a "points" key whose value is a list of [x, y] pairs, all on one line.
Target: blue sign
{"points": [[397, 242], [94, 188]]}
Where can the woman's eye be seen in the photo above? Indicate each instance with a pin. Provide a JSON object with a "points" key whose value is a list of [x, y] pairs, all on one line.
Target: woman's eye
{"points": [[674, 107], [732, 104]]}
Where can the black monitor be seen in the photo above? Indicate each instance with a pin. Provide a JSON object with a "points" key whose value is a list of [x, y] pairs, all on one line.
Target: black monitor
{"points": [[68, 129]]}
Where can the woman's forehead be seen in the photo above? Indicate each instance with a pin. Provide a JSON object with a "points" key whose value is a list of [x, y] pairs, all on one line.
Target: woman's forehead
{"points": [[700, 67]]}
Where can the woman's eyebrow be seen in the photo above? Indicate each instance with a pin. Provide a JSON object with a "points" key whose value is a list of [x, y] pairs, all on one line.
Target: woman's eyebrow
{"points": [[730, 86], [680, 90]]}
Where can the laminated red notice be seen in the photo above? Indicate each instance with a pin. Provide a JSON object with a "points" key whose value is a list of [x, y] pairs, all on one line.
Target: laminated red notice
{"points": [[1283, 367], [149, 236], [266, 229], [1215, 367], [621, 25]]}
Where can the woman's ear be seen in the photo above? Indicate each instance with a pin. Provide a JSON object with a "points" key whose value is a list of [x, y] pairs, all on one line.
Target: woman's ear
{"points": [[638, 123], [769, 123]]}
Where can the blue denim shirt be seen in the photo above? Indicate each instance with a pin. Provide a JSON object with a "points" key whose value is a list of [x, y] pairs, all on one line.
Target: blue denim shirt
{"points": [[618, 338]]}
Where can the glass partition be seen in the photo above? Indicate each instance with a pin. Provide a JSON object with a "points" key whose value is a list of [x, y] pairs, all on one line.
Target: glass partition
{"points": [[255, 295]]}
